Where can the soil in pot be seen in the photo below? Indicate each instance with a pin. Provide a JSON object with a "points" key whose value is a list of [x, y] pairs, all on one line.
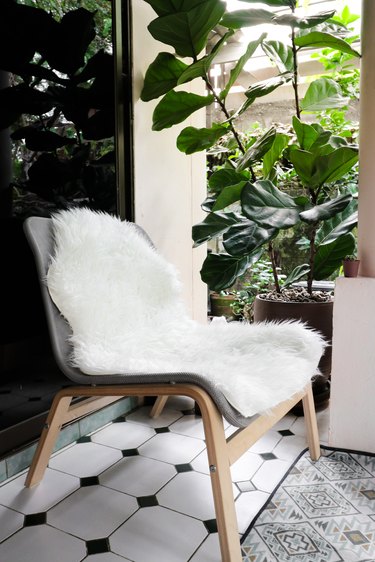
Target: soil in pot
{"points": [[316, 311]]}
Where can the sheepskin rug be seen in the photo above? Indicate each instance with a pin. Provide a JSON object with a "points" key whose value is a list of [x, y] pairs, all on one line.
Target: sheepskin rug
{"points": [[123, 303]]}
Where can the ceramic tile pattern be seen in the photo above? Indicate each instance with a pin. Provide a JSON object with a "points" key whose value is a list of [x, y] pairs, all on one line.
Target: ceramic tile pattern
{"points": [[138, 490]]}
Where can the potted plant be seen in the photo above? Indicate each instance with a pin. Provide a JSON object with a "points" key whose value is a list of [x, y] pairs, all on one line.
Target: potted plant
{"points": [[249, 207], [350, 265]]}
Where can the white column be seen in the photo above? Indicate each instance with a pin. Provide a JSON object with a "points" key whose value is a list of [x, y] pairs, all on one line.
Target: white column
{"points": [[352, 410], [366, 226], [169, 186]]}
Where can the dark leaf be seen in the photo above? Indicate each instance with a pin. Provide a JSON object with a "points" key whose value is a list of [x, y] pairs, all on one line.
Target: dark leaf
{"points": [[263, 203], [304, 22], [192, 140], [326, 210], [279, 53], [297, 274], [257, 150], [329, 257], [229, 195], [175, 107], [45, 141], [187, 31], [316, 39], [247, 18], [161, 76], [213, 225], [245, 238], [226, 177], [100, 126], [337, 227], [220, 271]]}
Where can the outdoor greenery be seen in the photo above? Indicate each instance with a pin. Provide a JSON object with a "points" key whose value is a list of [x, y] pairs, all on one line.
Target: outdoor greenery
{"points": [[299, 179], [60, 102]]}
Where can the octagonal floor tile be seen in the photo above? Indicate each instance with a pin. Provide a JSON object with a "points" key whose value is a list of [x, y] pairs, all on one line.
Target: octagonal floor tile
{"points": [[54, 487], [165, 419], [209, 551], [92, 512], [138, 476], [42, 544], [245, 467], [152, 534], [270, 474], [172, 448], [190, 425], [189, 493], [10, 522], [85, 459], [123, 435]]}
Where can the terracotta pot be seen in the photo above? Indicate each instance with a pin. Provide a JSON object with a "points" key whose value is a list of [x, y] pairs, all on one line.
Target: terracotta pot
{"points": [[318, 315], [220, 305], [350, 268]]}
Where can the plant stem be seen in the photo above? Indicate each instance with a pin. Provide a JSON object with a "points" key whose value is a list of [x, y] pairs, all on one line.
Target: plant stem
{"points": [[295, 74], [271, 253], [310, 276], [232, 127]]}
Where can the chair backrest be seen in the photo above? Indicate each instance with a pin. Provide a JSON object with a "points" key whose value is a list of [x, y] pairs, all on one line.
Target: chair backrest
{"points": [[39, 234]]}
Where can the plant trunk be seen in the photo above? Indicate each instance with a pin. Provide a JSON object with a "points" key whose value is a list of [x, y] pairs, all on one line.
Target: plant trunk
{"points": [[271, 253]]}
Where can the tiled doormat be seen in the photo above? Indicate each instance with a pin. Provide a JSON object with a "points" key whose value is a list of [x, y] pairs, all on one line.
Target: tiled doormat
{"points": [[321, 511]]}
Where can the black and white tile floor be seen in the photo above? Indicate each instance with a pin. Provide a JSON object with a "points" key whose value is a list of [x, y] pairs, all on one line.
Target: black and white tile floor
{"points": [[139, 490]]}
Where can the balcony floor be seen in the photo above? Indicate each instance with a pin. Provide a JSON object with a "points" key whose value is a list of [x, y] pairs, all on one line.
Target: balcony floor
{"points": [[139, 490]]}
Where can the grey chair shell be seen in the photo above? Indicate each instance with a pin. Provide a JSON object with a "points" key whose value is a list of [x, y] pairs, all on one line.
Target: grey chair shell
{"points": [[222, 452]]}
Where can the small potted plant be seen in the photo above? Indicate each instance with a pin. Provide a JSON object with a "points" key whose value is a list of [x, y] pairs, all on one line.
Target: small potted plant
{"points": [[350, 265]]}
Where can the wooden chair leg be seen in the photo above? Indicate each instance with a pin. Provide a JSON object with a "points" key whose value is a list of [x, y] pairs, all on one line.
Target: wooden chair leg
{"points": [[158, 407], [312, 432], [55, 419], [221, 481]]}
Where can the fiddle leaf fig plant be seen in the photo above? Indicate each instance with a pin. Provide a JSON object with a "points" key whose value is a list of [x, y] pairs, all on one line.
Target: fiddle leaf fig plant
{"points": [[247, 209]]}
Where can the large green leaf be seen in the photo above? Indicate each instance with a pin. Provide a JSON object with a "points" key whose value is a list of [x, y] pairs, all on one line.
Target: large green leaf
{"points": [[287, 3], [303, 162], [323, 93], [263, 203], [273, 155], [213, 225], [331, 167], [257, 150], [236, 71], [336, 227], [220, 271], [247, 18], [200, 68], [320, 39], [279, 53], [297, 274], [187, 31], [165, 7], [229, 195], [244, 238], [226, 177], [192, 140], [175, 107], [304, 22], [262, 89], [326, 210], [306, 134], [162, 76], [316, 170], [329, 257]]}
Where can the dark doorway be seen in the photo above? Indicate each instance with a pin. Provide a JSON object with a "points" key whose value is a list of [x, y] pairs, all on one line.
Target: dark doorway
{"points": [[65, 140]]}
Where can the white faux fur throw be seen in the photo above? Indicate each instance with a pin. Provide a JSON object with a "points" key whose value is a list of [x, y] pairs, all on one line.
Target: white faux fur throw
{"points": [[122, 301]]}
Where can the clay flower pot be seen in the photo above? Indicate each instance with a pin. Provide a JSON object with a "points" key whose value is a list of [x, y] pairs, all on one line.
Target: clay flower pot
{"points": [[351, 267]]}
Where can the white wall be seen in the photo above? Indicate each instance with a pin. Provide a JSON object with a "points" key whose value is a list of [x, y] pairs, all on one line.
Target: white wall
{"points": [[169, 186]]}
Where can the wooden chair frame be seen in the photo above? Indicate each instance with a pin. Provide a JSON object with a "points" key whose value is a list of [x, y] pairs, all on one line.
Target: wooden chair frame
{"points": [[222, 452]]}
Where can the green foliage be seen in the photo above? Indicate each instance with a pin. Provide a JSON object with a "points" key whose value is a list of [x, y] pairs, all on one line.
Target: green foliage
{"points": [[251, 206], [60, 104]]}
